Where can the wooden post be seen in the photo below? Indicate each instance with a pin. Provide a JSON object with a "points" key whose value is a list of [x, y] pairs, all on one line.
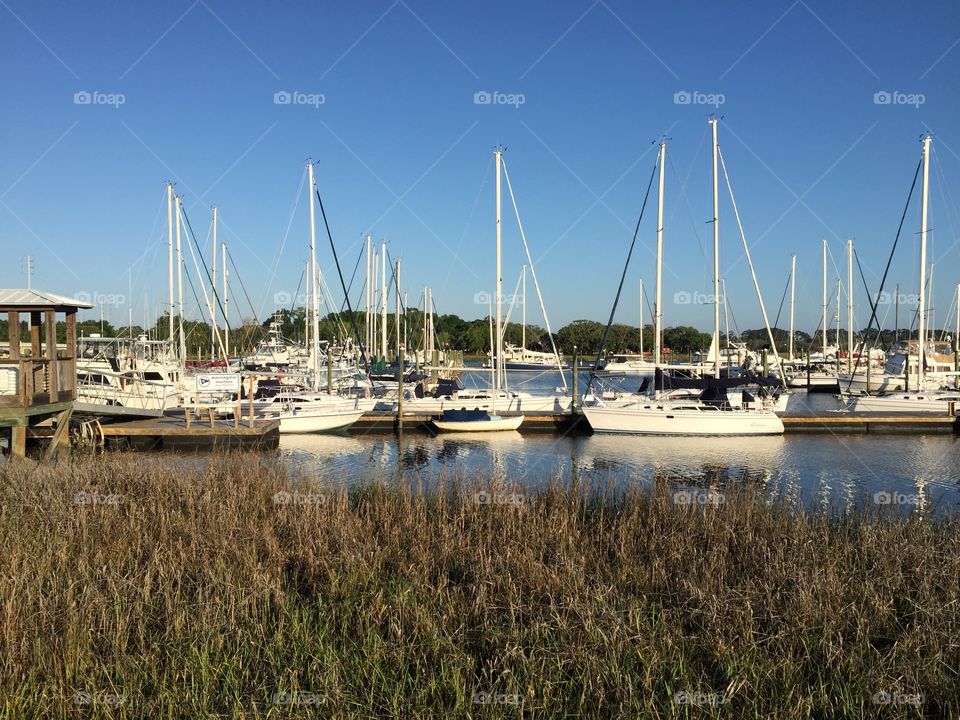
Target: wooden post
{"points": [[72, 351], [18, 440], [250, 398], [399, 392], [53, 371], [13, 332], [35, 334], [63, 424]]}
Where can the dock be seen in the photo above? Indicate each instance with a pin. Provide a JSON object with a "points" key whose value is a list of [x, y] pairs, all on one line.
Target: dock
{"points": [[170, 432]]}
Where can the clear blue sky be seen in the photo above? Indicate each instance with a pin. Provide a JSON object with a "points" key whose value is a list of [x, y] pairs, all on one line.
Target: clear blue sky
{"points": [[404, 152]]}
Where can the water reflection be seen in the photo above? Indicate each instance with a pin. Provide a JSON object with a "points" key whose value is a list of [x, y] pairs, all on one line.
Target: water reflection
{"points": [[821, 472]]}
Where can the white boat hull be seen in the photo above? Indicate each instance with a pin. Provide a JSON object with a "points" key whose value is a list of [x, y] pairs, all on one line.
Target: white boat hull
{"points": [[913, 403], [649, 418], [315, 421], [494, 424], [507, 403]]}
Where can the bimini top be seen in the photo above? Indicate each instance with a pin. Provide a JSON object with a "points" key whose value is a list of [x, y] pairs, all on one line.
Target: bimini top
{"points": [[20, 299]]}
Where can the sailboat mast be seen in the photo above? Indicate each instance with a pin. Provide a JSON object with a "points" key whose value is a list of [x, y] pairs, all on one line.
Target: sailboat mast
{"points": [[849, 306], [523, 308], [314, 296], [183, 339], [170, 259], [641, 318], [226, 317], [367, 341], [921, 320], [383, 295], [793, 281], [825, 321], [396, 314], [658, 307], [213, 285], [716, 253], [497, 357]]}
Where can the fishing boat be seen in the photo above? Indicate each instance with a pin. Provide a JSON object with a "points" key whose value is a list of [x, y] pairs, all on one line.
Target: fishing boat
{"points": [[708, 413], [478, 420]]}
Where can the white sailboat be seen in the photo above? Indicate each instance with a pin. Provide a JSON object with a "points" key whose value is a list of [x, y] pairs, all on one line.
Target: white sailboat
{"points": [[921, 400], [479, 420], [659, 415]]}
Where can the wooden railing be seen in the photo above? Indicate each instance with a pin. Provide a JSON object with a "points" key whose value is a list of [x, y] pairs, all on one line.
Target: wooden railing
{"points": [[33, 381]]}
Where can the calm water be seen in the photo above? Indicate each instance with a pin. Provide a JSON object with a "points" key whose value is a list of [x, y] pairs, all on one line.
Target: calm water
{"points": [[919, 471]]}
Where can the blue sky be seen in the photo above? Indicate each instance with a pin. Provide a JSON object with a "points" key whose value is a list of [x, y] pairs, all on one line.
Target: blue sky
{"points": [[403, 151]]}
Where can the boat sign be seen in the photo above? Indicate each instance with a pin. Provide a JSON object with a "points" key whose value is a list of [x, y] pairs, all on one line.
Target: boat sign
{"points": [[218, 382]]}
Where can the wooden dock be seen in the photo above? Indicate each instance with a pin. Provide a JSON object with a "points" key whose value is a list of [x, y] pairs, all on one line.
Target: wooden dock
{"points": [[170, 432]]}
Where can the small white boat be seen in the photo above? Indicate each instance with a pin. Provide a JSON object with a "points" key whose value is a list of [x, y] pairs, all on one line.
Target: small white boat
{"points": [[314, 420], [907, 403], [476, 421]]}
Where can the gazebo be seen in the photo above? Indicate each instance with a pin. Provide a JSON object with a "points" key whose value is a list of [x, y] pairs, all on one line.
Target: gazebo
{"points": [[38, 379]]}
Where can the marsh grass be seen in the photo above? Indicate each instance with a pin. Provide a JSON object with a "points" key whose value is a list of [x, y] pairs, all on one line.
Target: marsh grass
{"points": [[235, 590]]}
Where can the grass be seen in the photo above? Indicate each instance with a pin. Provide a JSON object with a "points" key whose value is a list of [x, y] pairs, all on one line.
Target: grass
{"points": [[178, 589]]}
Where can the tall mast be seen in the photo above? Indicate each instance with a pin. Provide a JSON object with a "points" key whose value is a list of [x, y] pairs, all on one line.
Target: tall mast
{"points": [[170, 258], [716, 254], [314, 295], [836, 317], [523, 341], [641, 318], [896, 317], [183, 339], [956, 335], [383, 296], [849, 306], [793, 280], [921, 320], [226, 316], [396, 313], [497, 337], [825, 322], [368, 340], [658, 307], [213, 285]]}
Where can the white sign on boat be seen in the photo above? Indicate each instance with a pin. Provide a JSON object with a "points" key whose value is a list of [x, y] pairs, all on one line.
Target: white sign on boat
{"points": [[218, 382]]}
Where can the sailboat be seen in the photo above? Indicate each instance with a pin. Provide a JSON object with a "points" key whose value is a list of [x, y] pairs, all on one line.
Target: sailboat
{"points": [[709, 414], [921, 400], [478, 420]]}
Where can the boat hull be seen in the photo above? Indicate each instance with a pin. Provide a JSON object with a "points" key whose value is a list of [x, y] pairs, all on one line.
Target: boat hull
{"points": [[315, 422], [666, 420], [906, 403], [494, 424]]}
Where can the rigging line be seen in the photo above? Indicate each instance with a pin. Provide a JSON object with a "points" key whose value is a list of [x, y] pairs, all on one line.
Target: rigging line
{"points": [[866, 289], [206, 269], [243, 287], [533, 274], [782, 300], [286, 234], [623, 275], [353, 276], [886, 270], [353, 320], [683, 192], [193, 256], [293, 300]]}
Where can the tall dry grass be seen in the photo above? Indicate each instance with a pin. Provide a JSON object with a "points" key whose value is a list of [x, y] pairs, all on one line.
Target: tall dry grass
{"points": [[180, 589]]}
